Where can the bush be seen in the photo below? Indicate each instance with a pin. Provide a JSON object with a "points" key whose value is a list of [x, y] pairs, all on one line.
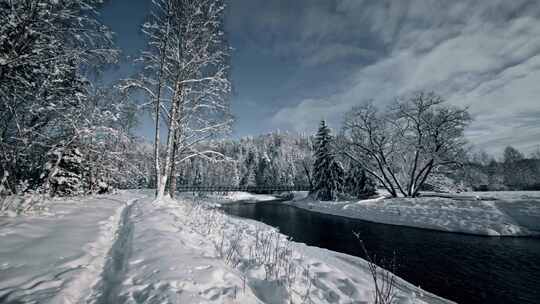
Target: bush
{"points": [[358, 184]]}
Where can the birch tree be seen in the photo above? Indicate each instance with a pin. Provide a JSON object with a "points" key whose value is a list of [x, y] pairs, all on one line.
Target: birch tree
{"points": [[407, 142], [187, 76]]}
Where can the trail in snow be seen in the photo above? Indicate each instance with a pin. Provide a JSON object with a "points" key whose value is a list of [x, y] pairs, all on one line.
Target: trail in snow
{"points": [[57, 258], [107, 289]]}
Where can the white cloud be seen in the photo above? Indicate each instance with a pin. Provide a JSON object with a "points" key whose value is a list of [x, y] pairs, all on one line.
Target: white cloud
{"points": [[483, 55], [334, 52]]}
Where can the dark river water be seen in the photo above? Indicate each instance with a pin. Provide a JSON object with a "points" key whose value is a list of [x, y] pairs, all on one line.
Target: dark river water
{"points": [[462, 268]]}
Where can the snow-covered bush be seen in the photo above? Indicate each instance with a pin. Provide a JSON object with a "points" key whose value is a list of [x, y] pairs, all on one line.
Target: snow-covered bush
{"points": [[254, 251], [29, 202], [440, 182]]}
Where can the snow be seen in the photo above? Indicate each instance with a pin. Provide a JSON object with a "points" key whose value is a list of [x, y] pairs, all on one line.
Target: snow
{"points": [[236, 196], [126, 248], [479, 213], [55, 257]]}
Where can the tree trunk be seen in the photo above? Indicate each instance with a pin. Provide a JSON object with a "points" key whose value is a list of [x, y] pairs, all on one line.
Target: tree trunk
{"points": [[412, 183], [171, 140], [172, 178], [390, 187], [177, 137], [426, 172], [157, 111], [308, 175], [156, 149], [165, 173], [392, 175], [160, 192]]}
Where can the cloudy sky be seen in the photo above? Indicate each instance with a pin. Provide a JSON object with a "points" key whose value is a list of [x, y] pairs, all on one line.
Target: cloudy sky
{"points": [[296, 62]]}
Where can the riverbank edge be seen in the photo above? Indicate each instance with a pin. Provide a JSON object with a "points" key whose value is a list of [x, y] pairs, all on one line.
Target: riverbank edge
{"points": [[307, 203], [315, 251]]}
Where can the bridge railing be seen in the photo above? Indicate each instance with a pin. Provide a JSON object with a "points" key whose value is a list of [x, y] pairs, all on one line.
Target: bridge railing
{"points": [[242, 188]]}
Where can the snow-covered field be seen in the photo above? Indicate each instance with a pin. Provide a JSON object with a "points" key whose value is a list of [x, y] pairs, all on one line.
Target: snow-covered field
{"points": [[480, 213], [126, 248]]}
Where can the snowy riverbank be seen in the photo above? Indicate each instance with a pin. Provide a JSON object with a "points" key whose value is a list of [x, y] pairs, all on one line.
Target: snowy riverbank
{"points": [[235, 196], [127, 248], [479, 213]]}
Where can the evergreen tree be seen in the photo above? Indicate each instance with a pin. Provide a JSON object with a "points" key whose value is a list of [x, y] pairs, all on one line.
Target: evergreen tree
{"points": [[235, 175], [248, 177], [262, 174], [358, 184], [328, 173], [65, 168]]}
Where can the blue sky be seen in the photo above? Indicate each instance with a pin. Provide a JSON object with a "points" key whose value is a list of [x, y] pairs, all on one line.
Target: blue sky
{"points": [[296, 62]]}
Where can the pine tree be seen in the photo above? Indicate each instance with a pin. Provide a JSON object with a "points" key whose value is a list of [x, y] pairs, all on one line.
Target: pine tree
{"points": [[328, 173], [65, 171], [248, 177], [262, 174]]}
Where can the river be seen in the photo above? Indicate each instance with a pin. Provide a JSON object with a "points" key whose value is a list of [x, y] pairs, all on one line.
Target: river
{"points": [[462, 268]]}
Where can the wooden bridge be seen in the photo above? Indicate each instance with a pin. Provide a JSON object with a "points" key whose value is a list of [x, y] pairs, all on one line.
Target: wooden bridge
{"points": [[254, 189]]}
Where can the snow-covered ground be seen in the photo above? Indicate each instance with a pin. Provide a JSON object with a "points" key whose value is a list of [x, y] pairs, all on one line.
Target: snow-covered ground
{"points": [[57, 257], [236, 196], [126, 248], [480, 213]]}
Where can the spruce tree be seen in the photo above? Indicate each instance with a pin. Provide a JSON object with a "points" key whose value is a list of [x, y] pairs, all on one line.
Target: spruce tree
{"points": [[328, 173]]}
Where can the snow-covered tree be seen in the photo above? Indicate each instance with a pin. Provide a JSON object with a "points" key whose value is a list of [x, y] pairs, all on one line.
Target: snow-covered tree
{"points": [[46, 47], [288, 173], [187, 76], [112, 155], [512, 155], [285, 157], [248, 174], [328, 173], [403, 145], [65, 171], [263, 173]]}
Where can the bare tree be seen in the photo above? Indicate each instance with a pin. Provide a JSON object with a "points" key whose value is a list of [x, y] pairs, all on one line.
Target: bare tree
{"points": [[187, 76], [403, 145]]}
